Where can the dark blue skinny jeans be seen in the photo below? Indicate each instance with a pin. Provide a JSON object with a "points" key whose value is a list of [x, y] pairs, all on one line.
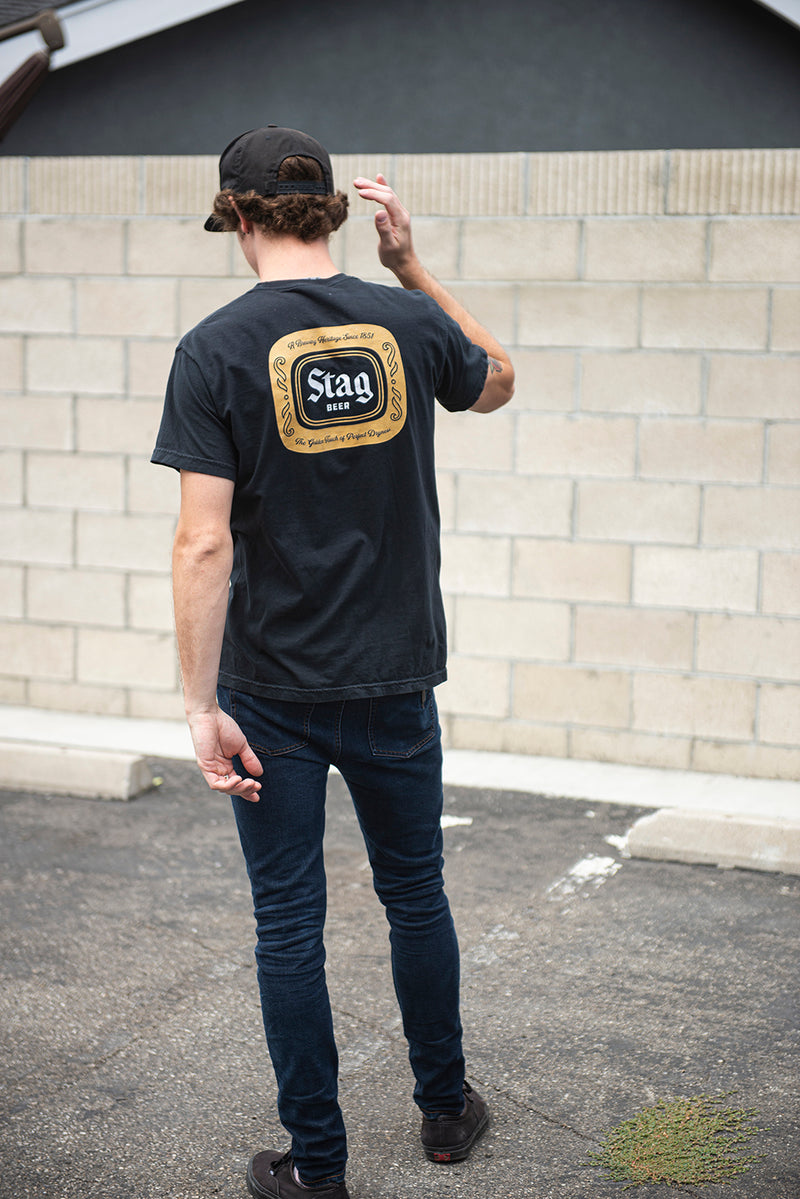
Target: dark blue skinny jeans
{"points": [[388, 750]]}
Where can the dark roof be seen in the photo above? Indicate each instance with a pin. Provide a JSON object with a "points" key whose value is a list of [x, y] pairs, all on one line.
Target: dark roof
{"points": [[12, 11]]}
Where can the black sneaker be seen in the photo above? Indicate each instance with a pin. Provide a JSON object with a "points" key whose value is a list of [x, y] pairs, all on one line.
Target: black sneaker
{"points": [[450, 1138], [270, 1175]]}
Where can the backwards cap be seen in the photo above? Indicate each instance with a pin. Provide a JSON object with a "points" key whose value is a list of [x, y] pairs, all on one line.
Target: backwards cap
{"points": [[252, 161]]}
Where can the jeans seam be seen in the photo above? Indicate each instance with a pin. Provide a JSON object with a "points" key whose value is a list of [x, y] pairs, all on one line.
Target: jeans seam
{"points": [[277, 753], [400, 753]]}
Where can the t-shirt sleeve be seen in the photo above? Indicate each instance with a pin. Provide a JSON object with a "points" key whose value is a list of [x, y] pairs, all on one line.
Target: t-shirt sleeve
{"points": [[462, 375], [193, 436]]}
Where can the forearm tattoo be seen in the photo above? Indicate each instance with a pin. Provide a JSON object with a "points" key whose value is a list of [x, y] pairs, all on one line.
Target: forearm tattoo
{"points": [[494, 367]]}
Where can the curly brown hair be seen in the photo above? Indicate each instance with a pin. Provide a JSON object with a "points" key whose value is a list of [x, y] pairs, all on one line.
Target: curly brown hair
{"points": [[307, 217]]}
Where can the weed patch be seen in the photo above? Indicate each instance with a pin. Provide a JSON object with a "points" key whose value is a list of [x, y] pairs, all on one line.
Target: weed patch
{"points": [[695, 1140]]}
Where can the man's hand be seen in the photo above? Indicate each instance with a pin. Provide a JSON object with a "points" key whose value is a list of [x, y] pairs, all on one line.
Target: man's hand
{"points": [[395, 248], [217, 738]]}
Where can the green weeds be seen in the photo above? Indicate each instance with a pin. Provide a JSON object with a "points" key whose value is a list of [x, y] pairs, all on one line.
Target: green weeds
{"points": [[694, 1141]]}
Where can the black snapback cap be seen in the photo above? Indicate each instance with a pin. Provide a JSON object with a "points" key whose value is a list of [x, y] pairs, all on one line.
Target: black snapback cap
{"points": [[252, 160]]}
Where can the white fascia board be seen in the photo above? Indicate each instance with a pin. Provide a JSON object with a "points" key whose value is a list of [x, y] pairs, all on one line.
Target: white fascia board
{"points": [[788, 9], [94, 26]]}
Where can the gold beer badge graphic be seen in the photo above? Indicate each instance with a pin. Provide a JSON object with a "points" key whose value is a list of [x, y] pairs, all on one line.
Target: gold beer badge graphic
{"points": [[337, 387]]}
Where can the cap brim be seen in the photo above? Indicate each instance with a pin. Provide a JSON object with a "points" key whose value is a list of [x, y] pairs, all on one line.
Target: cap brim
{"points": [[214, 225]]}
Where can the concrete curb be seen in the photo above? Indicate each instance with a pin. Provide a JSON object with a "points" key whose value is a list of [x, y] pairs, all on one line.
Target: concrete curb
{"points": [[713, 819], [715, 839], [67, 770]]}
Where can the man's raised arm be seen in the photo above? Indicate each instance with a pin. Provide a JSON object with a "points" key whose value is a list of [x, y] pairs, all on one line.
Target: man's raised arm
{"points": [[396, 252]]}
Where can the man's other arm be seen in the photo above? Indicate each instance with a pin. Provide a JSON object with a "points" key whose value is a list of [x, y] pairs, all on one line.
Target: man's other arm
{"points": [[202, 557], [396, 252]]}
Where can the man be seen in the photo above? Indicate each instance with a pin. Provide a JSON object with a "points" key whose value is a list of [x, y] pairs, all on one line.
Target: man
{"points": [[309, 618]]}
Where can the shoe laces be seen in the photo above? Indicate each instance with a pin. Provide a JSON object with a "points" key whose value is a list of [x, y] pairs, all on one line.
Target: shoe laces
{"points": [[280, 1162]]}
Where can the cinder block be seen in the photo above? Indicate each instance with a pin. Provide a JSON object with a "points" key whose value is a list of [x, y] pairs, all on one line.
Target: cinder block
{"points": [[631, 749], [545, 380], [11, 592], [492, 304], [36, 422], [763, 387], [696, 578], [513, 629], [98, 774], [149, 364], [436, 240], [514, 504], [475, 687], [197, 298], [578, 314], [10, 363], [34, 651], [180, 184], [780, 584], [10, 247], [640, 382], [124, 658], [754, 250], [36, 535], [695, 318], [150, 603], [87, 481], [175, 248], [152, 488], [571, 695], [710, 838], [768, 518], [93, 365], [12, 184], [475, 441], [476, 565], [672, 703], [520, 249], [446, 488], [74, 247], [740, 181], [634, 637], [576, 445], [779, 714], [508, 737], [597, 182], [11, 477], [118, 426], [107, 185], [127, 307], [783, 462], [125, 542], [637, 511], [572, 570], [14, 691], [156, 705], [699, 450], [461, 184], [749, 761], [36, 305], [758, 647], [785, 319], [78, 697], [646, 249], [90, 597]]}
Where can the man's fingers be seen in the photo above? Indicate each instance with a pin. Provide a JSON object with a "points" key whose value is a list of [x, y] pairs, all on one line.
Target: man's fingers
{"points": [[249, 760], [234, 784]]}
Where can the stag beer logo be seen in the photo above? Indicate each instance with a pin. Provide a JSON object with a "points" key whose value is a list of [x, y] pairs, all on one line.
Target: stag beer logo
{"points": [[337, 387]]}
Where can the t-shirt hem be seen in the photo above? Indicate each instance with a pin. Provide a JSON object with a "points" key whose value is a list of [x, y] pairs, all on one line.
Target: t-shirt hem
{"points": [[200, 466], [326, 694]]}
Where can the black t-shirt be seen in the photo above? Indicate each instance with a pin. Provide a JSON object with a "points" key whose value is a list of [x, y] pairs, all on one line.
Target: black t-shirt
{"points": [[315, 396]]}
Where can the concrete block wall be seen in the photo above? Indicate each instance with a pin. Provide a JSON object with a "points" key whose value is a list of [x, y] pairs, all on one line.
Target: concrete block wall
{"points": [[621, 547]]}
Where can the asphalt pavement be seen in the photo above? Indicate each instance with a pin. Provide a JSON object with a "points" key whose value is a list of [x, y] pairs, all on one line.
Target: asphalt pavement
{"points": [[594, 984]]}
